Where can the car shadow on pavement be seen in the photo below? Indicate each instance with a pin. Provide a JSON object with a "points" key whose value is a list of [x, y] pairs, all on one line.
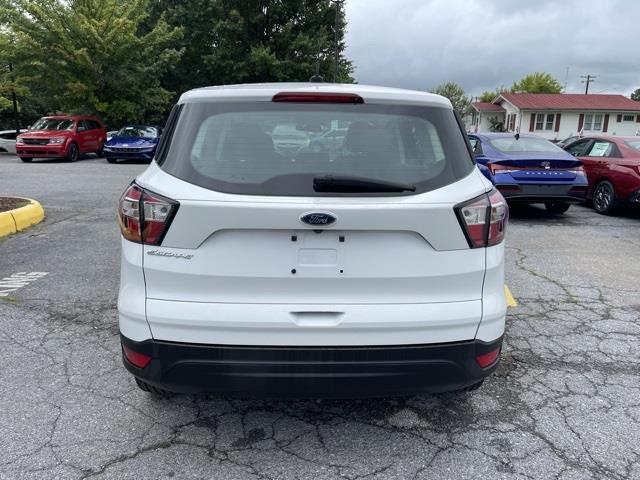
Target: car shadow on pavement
{"points": [[439, 412], [132, 162], [64, 160]]}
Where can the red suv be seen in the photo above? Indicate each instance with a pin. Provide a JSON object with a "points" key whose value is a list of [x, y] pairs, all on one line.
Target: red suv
{"points": [[62, 136]]}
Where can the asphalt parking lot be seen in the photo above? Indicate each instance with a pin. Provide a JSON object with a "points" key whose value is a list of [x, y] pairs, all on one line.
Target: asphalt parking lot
{"points": [[565, 403]]}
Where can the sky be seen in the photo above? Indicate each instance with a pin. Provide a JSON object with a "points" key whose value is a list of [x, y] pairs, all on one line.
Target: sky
{"points": [[484, 44]]}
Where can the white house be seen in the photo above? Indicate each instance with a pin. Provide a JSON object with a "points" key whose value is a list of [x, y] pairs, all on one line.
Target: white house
{"points": [[480, 115], [557, 115]]}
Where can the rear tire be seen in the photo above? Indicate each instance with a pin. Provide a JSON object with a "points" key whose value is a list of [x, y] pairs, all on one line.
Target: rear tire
{"points": [[557, 207], [73, 154], [26, 159], [145, 387], [604, 198]]}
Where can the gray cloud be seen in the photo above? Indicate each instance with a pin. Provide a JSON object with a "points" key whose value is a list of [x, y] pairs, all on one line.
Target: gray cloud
{"points": [[484, 44]]}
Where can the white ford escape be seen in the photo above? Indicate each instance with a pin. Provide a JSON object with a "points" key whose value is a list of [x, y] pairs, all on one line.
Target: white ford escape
{"points": [[365, 262]]}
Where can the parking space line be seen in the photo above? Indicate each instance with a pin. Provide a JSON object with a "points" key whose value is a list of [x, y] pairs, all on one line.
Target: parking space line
{"points": [[511, 302], [18, 280]]}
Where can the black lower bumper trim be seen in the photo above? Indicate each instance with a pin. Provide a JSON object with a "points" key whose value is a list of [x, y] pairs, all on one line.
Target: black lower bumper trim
{"points": [[540, 193], [311, 372], [539, 199]]}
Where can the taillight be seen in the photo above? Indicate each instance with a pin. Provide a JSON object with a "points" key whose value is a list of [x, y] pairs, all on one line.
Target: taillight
{"points": [[484, 219], [487, 359], [498, 168], [317, 97], [136, 359], [497, 218], [144, 217]]}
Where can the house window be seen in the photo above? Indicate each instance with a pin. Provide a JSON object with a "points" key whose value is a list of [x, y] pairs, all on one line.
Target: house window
{"points": [[549, 124], [628, 118], [593, 122], [511, 122], [545, 122]]}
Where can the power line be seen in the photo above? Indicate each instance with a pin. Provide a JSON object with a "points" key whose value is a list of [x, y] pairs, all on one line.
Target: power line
{"points": [[587, 79]]}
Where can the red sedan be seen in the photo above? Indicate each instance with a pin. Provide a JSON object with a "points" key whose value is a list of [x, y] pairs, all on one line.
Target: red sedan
{"points": [[612, 165]]}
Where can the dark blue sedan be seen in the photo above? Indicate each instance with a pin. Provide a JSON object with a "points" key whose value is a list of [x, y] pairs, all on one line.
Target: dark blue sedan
{"points": [[530, 169], [133, 142]]}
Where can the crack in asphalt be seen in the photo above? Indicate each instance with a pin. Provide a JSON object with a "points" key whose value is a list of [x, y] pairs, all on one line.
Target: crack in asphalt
{"points": [[563, 404]]}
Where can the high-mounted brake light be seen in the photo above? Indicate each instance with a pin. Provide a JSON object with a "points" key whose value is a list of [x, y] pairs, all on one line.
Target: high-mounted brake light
{"points": [[484, 219], [317, 97], [144, 217]]}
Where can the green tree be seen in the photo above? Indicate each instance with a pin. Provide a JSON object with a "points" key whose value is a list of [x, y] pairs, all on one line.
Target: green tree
{"points": [[538, 82], [9, 82], [239, 41], [636, 95], [88, 56], [455, 94], [488, 96]]}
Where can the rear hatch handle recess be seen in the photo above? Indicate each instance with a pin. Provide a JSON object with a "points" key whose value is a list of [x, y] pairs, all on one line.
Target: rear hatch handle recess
{"points": [[352, 184]]}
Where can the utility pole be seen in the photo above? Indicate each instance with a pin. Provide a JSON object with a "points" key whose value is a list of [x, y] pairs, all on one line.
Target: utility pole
{"points": [[587, 80], [335, 39]]}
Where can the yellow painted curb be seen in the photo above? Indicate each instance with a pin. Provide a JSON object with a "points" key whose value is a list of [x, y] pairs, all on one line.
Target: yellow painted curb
{"points": [[7, 225], [511, 302], [21, 218]]}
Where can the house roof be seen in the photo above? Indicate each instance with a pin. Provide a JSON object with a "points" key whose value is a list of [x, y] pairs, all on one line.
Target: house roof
{"points": [[487, 107], [569, 101]]}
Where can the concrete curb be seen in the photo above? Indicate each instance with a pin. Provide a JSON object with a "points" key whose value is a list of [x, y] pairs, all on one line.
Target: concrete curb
{"points": [[21, 218]]}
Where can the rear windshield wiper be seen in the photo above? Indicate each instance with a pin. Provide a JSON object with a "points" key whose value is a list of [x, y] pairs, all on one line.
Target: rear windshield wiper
{"points": [[348, 184]]}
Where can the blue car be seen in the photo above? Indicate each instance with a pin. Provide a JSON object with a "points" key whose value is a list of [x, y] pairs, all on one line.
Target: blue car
{"points": [[530, 169], [133, 142]]}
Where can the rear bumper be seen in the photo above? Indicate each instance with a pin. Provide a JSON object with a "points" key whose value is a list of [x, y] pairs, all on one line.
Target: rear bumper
{"points": [[312, 372], [533, 193]]}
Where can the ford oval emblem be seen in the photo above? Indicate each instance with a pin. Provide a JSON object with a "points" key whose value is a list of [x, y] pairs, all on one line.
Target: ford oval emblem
{"points": [[318, 219]]}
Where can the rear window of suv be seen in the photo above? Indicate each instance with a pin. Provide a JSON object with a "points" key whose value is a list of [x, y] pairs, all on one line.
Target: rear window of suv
{"points": [[265, 148]]}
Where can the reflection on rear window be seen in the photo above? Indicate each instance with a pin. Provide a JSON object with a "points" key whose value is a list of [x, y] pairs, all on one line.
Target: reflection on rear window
{"points": [[523, 144], [277, 149]]}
